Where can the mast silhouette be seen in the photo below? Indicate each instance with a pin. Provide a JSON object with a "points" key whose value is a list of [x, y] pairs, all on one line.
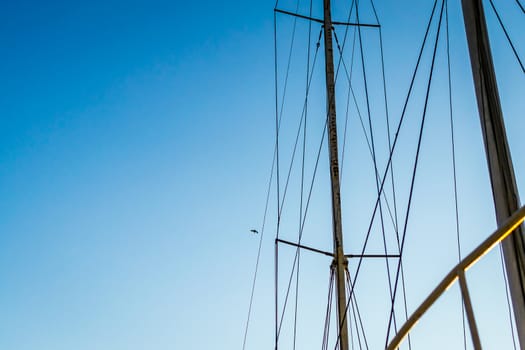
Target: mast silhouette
{"points": [[502, 178], [340, 261]]}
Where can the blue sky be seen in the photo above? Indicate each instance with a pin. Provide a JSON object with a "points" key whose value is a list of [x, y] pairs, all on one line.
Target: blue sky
{"points": [[135, 145], [127, 131]]}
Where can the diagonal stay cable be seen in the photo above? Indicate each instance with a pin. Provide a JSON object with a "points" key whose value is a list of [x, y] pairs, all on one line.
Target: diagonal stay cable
{"points": [[363, 127], [259, 251], [291, 164], [279, 323], [507, 36], [507, 294], [358, 334], [278, 118], [355, 310], [341, 60], [279, 111], [454, 172], [302, 173], [287, 182], [389, 277], [392, 177], [303, 115], [387, 114], [417, 159], [326, 331], [400, 124], [350, 90], [303, 223], [372, 153], [394, 143], [520, 6]]}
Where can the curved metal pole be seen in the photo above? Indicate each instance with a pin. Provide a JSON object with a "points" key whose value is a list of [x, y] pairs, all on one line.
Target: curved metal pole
{"points": [[501, 233]]}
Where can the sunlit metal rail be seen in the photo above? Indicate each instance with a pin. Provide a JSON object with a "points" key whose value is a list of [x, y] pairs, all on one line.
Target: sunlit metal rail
{"points": [[458, 273]]}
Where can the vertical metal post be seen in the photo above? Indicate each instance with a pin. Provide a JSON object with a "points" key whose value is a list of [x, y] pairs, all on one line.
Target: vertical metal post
{"points": [[502, 177], [469, 310], [339, 257]]}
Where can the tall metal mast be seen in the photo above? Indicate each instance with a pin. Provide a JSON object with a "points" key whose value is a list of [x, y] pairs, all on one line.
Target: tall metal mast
{"points": [[504, 190], [340, 261]]}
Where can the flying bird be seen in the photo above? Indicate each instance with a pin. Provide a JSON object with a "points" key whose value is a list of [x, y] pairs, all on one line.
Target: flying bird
{"points": [[254, 231]]}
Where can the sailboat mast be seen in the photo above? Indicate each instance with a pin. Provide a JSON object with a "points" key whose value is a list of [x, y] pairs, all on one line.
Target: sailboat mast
{"points": [[340, 261], [504, 189]]}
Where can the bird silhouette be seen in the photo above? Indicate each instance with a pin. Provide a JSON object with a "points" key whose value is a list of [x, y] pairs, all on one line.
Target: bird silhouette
{"points": [[254, 231]]}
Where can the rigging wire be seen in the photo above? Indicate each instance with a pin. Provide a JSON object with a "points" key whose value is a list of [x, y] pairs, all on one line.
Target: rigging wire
{"points": [[304, 220], [278, 118], [507, 35], [454, 172], [350, 90], [352, 307], [302, 172], [311, 187], [303, 116], [387, 115], [353, 314], [393, 147], [374, 159], [396, 225], [375, 165], [411, 192], [394, 143], [521, 6], [355, 311], [326, 331], [259, 252], [279, 114], [278, 326], [352, 340], [509, 309], [363, 127], [354, 304], [392, 177]]}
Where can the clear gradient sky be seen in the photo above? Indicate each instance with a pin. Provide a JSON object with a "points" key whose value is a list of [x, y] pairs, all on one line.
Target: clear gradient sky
{"points": [[135, 144]]}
